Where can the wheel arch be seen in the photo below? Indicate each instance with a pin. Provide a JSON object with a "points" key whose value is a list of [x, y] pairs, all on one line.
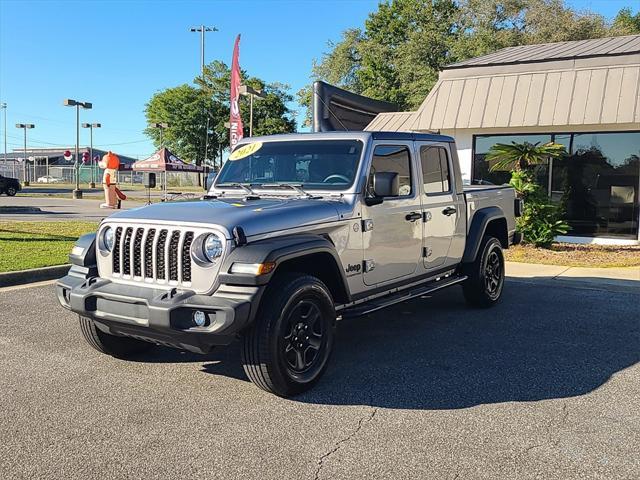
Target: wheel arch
{"points": [[489, 220], [310, 254]]}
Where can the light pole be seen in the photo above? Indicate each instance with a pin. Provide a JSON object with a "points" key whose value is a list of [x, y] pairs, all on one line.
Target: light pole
{"points": [[77, 193], [161, 126], [91, 126], [251, 92], [25, 168], [3, 106], [202, 29]]}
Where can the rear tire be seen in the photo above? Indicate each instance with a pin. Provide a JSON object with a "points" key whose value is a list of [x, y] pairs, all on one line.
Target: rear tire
{"points": [[287, 348], [484, 286], [120, 347]]}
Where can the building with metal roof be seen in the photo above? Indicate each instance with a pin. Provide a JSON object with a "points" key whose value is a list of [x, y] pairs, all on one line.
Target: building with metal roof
{"points": [[584, 94]]}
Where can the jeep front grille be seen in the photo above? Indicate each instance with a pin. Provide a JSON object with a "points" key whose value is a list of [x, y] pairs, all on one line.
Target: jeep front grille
{"points": [[152, 254]]}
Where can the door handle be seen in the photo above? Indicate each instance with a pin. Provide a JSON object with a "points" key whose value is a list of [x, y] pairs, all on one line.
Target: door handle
{"points": [[449, 211], [413, 216]]}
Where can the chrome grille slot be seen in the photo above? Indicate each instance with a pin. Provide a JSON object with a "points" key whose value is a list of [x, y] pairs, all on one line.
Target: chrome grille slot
{"points": [[126, 251], [137, 252], [160, 255], [116, 251], [173, 255], [186, 257], [148, 253]]}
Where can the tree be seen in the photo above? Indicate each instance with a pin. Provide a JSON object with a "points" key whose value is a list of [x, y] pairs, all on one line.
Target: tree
{"points": [[626, 23], [404, 44], [189, 109]]}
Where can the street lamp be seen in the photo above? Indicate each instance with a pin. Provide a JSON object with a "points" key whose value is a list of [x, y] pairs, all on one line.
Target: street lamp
{"points": [[91, 126], [161, 126], [77, 193], [25, 170], [251, 92], [202, 29], [3, 106]]}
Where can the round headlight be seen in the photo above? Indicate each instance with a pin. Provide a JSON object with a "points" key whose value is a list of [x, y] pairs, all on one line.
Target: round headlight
{"points": [[108, 238], [212, 247]]}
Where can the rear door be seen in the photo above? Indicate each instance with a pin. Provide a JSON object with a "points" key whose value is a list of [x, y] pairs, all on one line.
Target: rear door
{"points": [[439, 203], [392, 230]]}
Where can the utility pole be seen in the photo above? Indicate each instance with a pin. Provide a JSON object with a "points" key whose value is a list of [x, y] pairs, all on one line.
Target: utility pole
{"points": [[202, 29], [25, 166], [91, 126], [246, 90], [3, 105], [77, 193]]}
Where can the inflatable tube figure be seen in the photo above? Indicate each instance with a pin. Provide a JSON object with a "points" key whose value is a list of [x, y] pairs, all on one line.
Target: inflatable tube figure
{"points": [[112, 196]]}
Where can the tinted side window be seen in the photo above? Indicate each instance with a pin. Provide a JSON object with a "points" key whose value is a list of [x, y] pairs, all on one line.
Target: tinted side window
{"points": [[435, 169], [396, 159]]}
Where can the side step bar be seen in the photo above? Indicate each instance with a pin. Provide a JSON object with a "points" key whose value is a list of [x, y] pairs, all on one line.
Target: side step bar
{"points": [[398, 297]]}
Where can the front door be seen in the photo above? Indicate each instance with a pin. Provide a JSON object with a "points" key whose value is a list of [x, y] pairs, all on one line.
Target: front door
{"points": [[439, 202], [392, 230]]}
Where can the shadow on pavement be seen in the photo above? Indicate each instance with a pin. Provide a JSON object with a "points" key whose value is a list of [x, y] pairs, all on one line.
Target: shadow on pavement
{"points": [[540, 342]]}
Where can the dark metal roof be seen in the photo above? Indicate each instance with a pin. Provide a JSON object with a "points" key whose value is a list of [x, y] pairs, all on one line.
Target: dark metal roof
{"points": [[546, 52], [427, 137]]}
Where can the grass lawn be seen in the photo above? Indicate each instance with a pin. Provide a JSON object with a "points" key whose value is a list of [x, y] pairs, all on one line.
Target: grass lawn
{"points": [[573, 255], [26, 245]]}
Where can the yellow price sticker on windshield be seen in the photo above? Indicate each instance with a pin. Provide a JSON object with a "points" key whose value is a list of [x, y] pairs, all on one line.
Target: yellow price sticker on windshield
{"points": [[245, 151]]}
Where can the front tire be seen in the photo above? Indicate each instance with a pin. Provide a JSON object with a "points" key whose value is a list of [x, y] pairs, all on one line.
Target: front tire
{"points": [[287, 349], [11, 191], [484, 286], [120, 347]]}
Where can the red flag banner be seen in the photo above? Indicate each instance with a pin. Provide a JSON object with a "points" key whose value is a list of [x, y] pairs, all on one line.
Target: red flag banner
{"points": [[235, 119]]}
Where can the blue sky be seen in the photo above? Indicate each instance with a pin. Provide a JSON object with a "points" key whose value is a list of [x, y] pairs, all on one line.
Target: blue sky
{"points": [[117, 53]]}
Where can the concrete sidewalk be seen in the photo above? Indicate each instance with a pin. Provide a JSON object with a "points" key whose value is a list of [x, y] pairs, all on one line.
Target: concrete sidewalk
{"points": [[624, 279]]}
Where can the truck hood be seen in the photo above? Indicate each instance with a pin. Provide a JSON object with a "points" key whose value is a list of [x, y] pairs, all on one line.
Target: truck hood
{"points": [[254, 216]]}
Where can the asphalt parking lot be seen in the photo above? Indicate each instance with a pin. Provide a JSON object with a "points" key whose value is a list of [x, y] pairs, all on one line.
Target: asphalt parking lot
{"points": [[545, 385]]}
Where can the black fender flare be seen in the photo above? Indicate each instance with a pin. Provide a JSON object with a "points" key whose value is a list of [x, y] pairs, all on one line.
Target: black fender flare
{"points": [[83, 257], [481, 218], [278, 250]]}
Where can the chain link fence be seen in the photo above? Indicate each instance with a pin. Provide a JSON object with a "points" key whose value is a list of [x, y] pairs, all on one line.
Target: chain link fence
{"points": [[67, 174]]}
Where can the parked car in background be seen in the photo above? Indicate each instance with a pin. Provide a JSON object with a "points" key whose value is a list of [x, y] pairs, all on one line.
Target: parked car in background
{"points": [[9, 185], [49, 179]]}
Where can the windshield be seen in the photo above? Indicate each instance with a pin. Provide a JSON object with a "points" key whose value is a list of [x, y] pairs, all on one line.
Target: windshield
{"points": [[312, 164]]}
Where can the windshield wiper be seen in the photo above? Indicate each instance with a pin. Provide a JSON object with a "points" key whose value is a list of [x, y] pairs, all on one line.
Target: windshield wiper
{"points": [[294, 186], [244, 186]]}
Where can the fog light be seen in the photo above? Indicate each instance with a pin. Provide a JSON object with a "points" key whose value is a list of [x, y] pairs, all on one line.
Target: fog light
{"points": [[199, 318]]}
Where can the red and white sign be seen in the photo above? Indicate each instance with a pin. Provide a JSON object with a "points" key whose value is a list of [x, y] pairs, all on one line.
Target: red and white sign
{"points": [[235, 119], [67, 155]]}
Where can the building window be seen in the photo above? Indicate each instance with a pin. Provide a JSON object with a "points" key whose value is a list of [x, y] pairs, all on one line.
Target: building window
{"points": [[596, 184], [482, 173], [435, 170]]}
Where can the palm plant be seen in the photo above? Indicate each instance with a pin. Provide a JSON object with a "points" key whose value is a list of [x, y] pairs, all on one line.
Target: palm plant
{"points": [[541, 220], [522, 156]]}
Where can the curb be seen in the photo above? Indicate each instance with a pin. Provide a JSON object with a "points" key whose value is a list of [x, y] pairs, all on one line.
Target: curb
{"points": [[8, 279], [12, 210]]}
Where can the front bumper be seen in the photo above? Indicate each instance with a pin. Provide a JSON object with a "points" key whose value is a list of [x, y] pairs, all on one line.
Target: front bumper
{"points": [[160, 316]]}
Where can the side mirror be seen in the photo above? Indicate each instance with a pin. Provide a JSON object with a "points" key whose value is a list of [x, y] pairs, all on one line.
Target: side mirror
{"points": [[383, 184]]}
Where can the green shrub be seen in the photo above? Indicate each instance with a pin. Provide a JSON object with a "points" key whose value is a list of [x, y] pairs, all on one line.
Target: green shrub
{"points": [[541, 220]]}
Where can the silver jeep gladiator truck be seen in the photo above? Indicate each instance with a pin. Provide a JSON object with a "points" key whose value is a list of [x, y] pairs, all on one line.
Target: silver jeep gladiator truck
{"points": [[296, 231]]}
